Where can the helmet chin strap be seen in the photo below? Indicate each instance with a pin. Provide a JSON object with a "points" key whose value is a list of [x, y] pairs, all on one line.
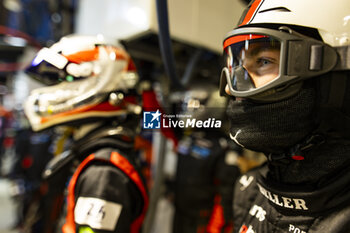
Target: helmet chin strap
{"points": [[297, 152]]}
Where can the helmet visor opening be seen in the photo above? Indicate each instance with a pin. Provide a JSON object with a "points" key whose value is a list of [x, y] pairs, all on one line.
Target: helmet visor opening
{"points": [[252, 60], [49, 74]]}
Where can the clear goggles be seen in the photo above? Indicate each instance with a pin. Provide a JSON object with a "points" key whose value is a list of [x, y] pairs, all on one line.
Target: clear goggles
{"points": [[268, 65]]}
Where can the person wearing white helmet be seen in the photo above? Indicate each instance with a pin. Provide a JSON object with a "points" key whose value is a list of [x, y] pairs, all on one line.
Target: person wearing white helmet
{"points": [[286, 72], [92, 88]]}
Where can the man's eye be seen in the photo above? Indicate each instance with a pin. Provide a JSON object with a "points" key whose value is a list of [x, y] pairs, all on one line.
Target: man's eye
{"points": [[264, 61]]}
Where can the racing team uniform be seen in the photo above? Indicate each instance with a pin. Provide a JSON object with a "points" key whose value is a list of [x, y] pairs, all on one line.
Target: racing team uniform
{"points": [[106, 192], [265, 206]]}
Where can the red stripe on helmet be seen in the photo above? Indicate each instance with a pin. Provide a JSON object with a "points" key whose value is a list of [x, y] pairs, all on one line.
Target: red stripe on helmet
{"points": [[251, 12], [83, 56], [235, 39]]}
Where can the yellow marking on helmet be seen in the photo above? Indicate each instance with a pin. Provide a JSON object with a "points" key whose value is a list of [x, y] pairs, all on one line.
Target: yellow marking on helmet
{"points": [[50, 109]]}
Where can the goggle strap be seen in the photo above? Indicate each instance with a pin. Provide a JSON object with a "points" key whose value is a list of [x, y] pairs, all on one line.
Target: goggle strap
{"points": [[344, 58], [316, 57]]}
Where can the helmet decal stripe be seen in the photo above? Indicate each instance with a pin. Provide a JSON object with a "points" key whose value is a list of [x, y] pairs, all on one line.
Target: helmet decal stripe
{"points": [[235, 39], [254, 6], [83, 56]]}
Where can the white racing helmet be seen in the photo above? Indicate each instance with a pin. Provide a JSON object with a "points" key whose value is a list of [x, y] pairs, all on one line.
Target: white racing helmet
{"points": [[88, 79], [268, 54], [330, 18]]}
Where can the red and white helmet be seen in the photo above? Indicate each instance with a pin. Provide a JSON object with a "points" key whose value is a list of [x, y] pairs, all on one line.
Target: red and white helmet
{"points": [[330, 18], [88, 80]]}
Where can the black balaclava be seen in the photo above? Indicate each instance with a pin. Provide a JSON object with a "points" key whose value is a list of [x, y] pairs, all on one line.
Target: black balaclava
{"points": [[272, 127], [277, 127]]}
